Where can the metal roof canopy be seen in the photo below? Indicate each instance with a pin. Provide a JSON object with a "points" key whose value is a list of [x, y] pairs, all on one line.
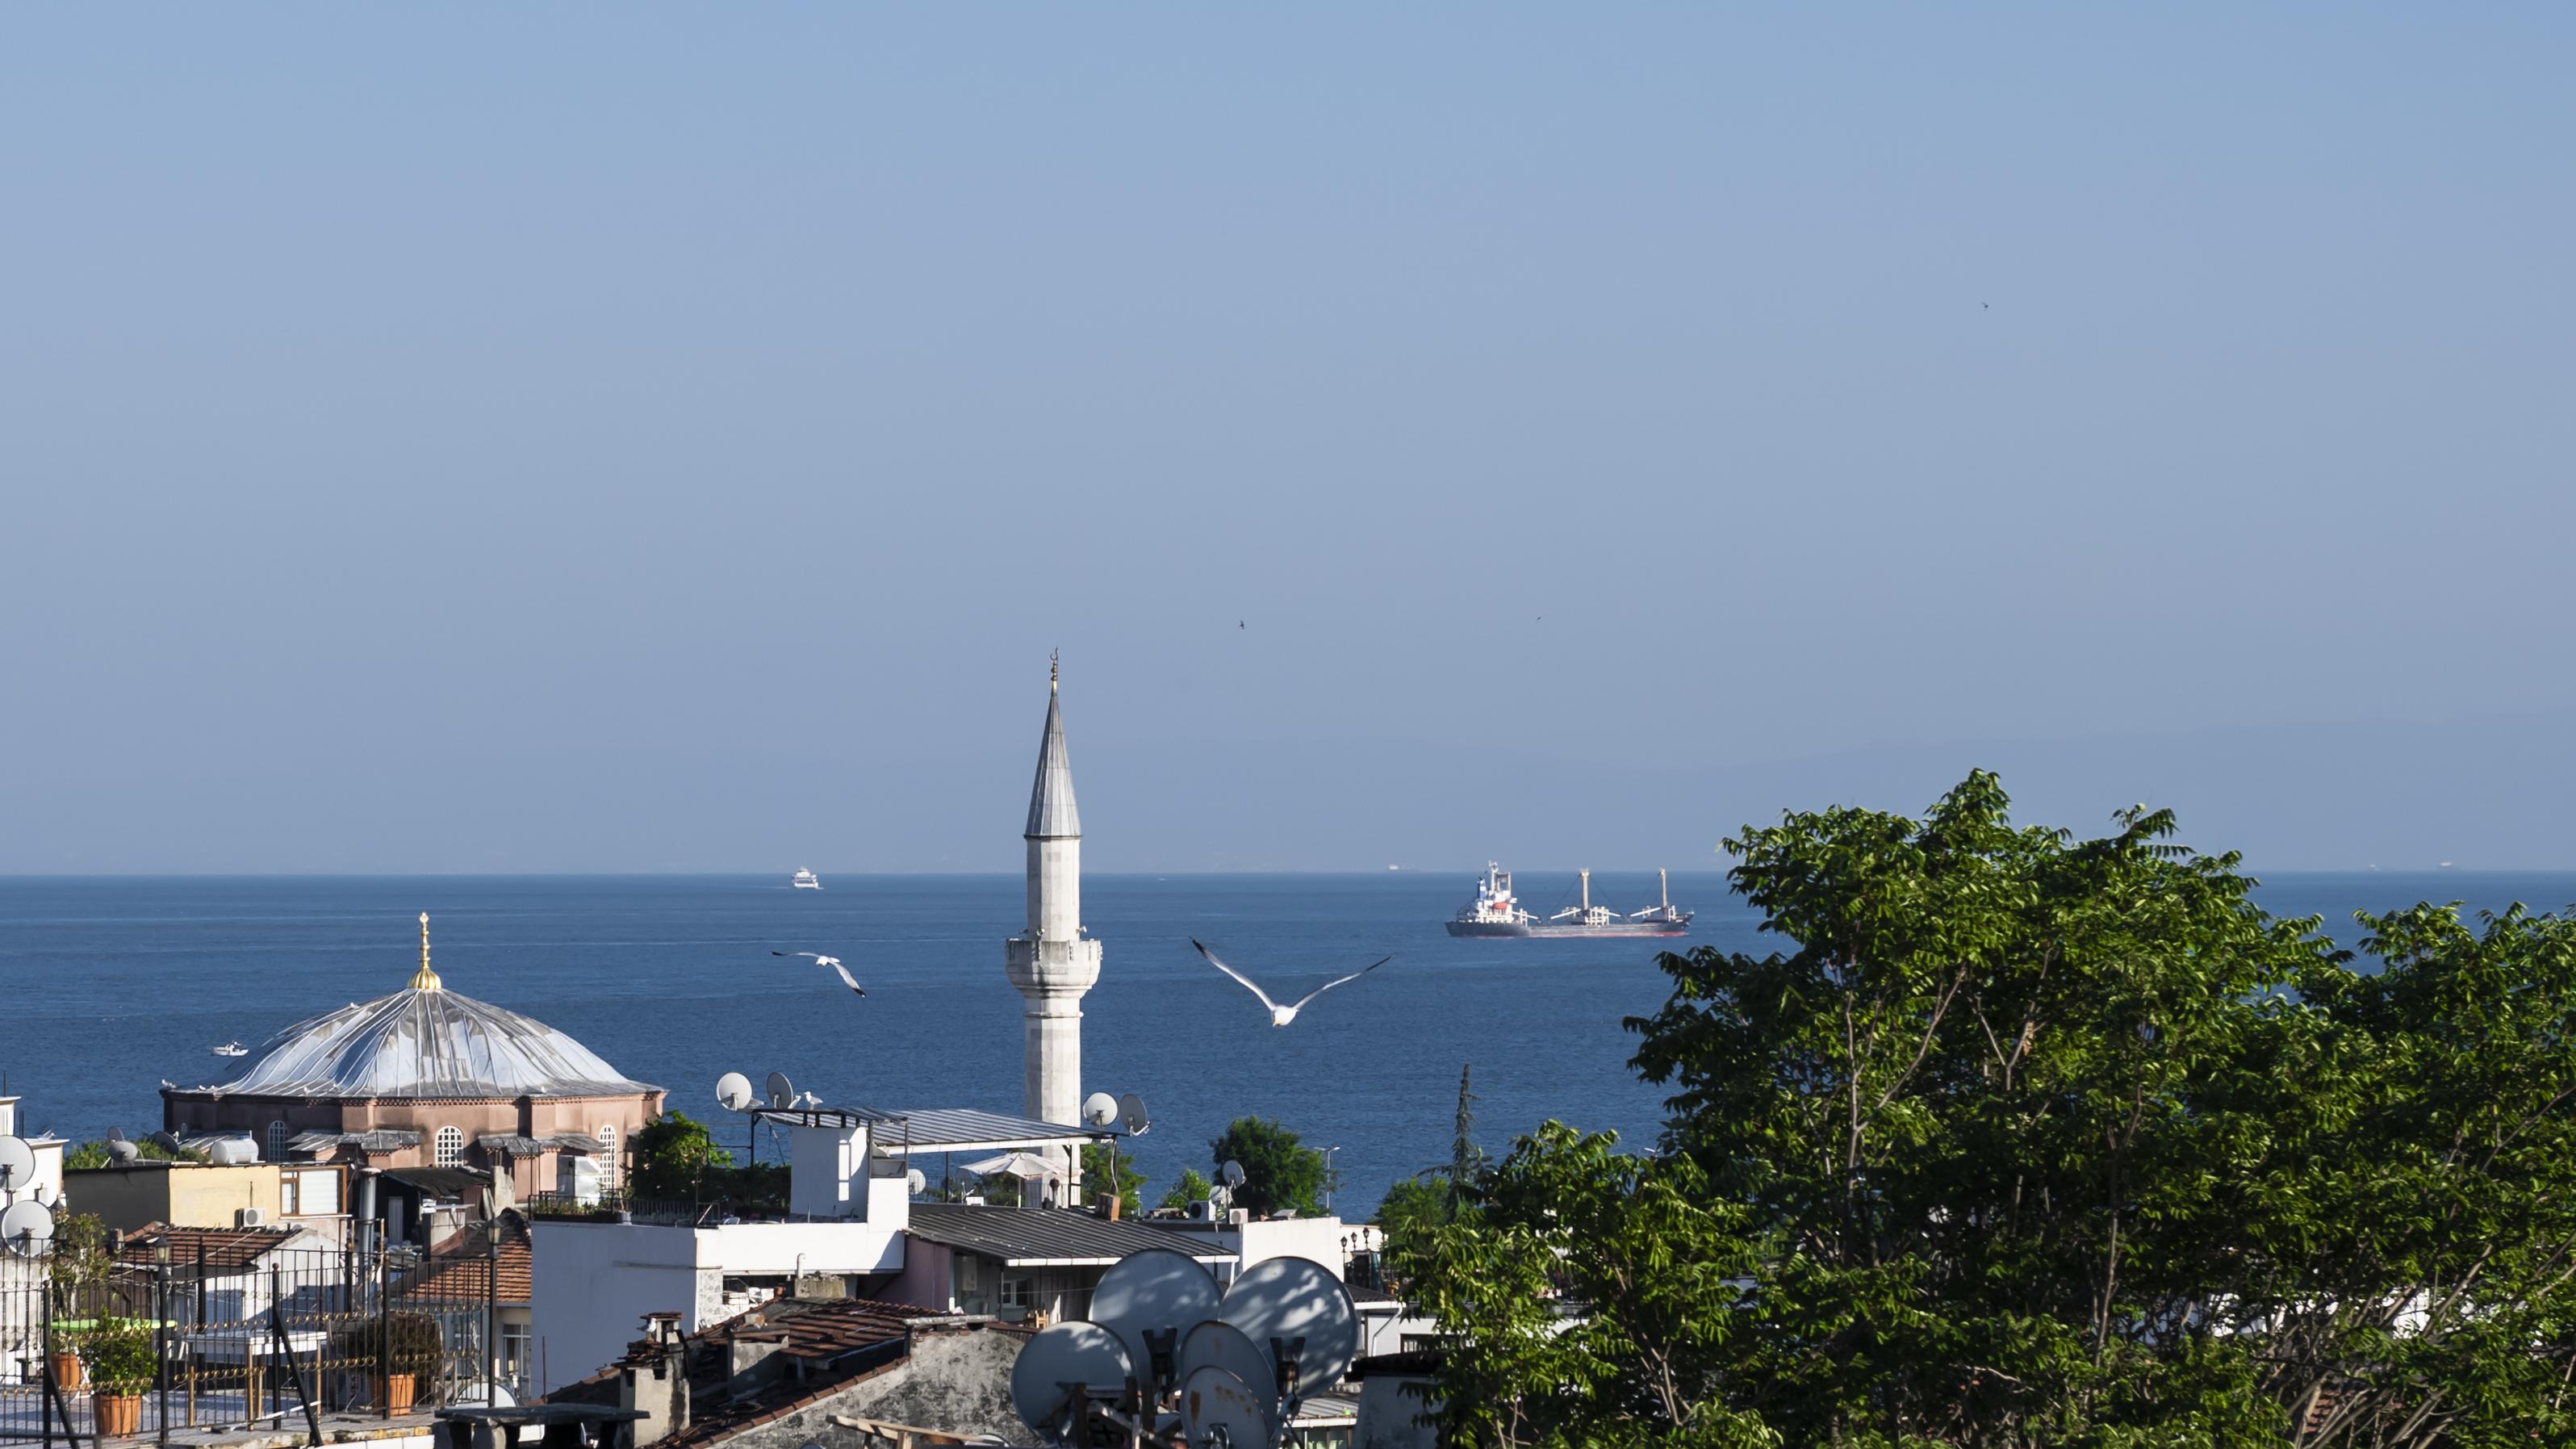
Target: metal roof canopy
{"points": [[966, 1129], [1047, 1237]]}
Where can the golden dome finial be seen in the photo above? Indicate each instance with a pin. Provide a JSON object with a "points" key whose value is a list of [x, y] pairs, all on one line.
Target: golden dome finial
{"points": [[424, 979]]}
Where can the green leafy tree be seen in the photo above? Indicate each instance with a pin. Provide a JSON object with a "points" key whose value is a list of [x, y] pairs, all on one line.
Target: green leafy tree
{"points": [[94, 1154], [1190, 1187], [1099, 1161], [1413, 1206], [2035, 1140], [677, 1159], [1279, 1171]]}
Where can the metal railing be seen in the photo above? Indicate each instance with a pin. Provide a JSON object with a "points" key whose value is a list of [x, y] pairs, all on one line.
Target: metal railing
{"points": [[217, 1336]]}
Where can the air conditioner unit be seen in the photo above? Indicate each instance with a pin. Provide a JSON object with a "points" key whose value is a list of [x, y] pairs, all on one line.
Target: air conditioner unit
{"points": [[250, 1218]]}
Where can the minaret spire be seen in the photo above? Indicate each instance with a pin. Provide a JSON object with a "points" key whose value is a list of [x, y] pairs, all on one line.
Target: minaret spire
{"points": [[1052, 963]]}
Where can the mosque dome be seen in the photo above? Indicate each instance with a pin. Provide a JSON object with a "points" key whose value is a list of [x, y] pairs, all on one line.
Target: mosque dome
{"points": [[424, 1041]]}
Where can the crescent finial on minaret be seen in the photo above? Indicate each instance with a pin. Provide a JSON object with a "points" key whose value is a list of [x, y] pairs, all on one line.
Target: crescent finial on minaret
{"points": [[1051, 659], [424, 979]]}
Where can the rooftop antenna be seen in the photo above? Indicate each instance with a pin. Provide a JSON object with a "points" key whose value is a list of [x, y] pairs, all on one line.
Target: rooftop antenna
{"points": [[1061, 1371], [1223, 1409], [1305, 1316], [733, 1091], [27, 1228], [120, 1150], [1131, 1113], [1218, 1345], [1152, 1300], [782, 1092], [17, 1165]]}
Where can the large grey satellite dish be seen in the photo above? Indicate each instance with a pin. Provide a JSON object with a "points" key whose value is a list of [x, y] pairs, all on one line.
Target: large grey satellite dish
{"points": [[26, 1228], [17, 1164], [1218, 1344], [1100, 1109], [1294, 1297], [1157, 1290], [120, 1150], [782, 1092], [733, 1089], [1131, 1111], [1230, 1173], [1068, 1353], [1213, 1400]]}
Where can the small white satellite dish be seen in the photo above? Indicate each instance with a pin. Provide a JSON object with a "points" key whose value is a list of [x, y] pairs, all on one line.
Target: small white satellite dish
{"points": [[1218, 1344], [1100, 1109], [1067, 1353], [26, 1228], [782, 1092], [914, 1183], [1230, 1173], [1213, 1400], [1131, 1112], [17, 1164], [1156, 1290], [733, 1089], [1280, 1298]]}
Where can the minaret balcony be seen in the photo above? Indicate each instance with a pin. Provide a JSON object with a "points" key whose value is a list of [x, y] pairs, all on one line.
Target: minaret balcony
{"points": [[1052, 967]]}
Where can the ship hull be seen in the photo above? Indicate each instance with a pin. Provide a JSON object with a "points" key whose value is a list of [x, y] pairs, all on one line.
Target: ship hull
{"points": [[1629, 929]]}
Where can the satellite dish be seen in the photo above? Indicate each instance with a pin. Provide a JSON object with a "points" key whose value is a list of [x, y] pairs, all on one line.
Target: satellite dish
{"points": [[123, 1151], [26, 1228], [914, 1183], [1131, 1111], [164, 1141], [1068, 1353], [782, 1092], [1100, 1109], [17, 1164], [1218, 1344], [1230, 1173], [1296, 1297], [1156, 1290], [1213, 1399], [733, 1089]]}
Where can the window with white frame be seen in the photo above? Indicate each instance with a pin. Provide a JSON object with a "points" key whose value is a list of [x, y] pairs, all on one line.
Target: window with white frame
{"points": [[1018, 1294], [277, 1142], [451, 1146]]}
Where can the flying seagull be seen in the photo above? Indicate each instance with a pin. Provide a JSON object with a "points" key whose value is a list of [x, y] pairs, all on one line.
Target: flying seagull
{"points": [[1282, 1015], [832, 961]]}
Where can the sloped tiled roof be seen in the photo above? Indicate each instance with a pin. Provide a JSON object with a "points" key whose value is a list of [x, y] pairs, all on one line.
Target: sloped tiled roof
{"points": [[462, 1267]]}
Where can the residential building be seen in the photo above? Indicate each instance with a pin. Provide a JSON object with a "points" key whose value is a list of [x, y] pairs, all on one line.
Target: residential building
{"points": [[1025, 1265], [128, 1195]]}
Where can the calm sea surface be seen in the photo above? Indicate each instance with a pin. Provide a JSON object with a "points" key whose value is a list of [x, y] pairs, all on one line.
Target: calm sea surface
{"points": [[108, 986]]}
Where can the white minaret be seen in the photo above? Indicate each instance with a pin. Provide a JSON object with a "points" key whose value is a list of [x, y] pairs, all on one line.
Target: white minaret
{"points": [[1051, 964]]}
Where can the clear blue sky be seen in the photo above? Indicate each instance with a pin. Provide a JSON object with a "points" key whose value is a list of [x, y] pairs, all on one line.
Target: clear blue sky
{"points": [[639, 437]]}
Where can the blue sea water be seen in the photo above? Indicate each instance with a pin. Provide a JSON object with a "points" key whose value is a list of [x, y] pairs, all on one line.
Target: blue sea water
{"points": [[110, 985]]}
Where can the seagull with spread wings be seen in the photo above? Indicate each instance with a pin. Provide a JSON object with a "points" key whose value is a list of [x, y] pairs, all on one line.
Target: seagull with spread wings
{"points": [[1282, 1015], [832, 961]]}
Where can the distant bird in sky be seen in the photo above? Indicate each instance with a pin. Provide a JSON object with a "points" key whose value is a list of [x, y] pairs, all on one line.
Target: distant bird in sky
{"points": [[1282, 1015], [832, 961], [1989, 306], [1238, 623]]}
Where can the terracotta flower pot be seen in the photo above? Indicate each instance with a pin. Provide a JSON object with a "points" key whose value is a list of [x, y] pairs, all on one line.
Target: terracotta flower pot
{"points": [[394, 1393], [67, 1370], [117, 1415]]}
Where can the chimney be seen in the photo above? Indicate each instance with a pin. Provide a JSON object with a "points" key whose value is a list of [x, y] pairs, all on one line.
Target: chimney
{"points": [[654, 1377]]}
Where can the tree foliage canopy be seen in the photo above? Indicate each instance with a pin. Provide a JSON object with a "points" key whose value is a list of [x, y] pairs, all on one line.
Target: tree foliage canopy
{"points": [[2033, 1140], [1279, 1171]]}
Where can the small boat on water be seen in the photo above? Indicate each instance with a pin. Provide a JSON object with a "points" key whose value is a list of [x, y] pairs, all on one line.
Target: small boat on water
{"points": [[1496, 912], [805, 880], [230, 1049]]}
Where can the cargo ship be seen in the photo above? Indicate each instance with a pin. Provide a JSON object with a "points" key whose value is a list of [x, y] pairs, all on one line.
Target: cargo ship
{"points": [[1496, 912]]}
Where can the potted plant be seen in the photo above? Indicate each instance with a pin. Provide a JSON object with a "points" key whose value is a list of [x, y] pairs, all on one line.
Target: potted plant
{"points": [[66, 1357], [397, 1351], [122, 1367]]}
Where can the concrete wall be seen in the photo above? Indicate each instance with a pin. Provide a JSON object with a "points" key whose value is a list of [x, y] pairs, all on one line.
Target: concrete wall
{"points": [[928, 1280], [594, 1282], [956, 1381], [1388, 1405]]}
